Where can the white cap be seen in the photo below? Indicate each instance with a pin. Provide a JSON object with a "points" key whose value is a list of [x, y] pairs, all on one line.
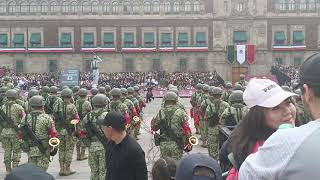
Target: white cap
{"points": [[264, 93]]}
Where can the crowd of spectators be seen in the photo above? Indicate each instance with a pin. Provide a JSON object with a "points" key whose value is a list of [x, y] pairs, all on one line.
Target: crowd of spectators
{"points": [[291, 71], [157, 80]]}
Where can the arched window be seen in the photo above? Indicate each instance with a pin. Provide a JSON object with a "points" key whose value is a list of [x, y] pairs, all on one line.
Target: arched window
{"points": [[136, 7], [196, 6], [291, 5], [34, 7], [156, 7], [318, 4], [54, 7], [282, 5], [147, 7], [127, 7], [311, 5], [105, 7], [95, 6], [44, 7], [73, 7], [24, 8], [167, 7], [303, 5], [187, 6], [3, 7], [182, 7], [86, 7], [65, 7], [115, 7], [11, 7], [176, 7]]}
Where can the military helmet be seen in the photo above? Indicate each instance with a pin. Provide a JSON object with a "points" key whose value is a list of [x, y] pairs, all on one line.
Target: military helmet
{"points": [[45, 89], [36, 101], [211, 88], [33, 92], [10, 85], [65, 87], [33, 87], [175, 90], [75, 89], [242, 76], [100, 100], [130, 90], [286, 88], [115, 92], [53, 89], [198, 86], [136, 88], [6, 78], [3, 89], [102, 90], [124, 91], [94, 91], [236, 96], [216, 91], [108, 88], [170, 86], [82, 92], [206, 87], [228, 85], [66, 92], [11, 93], [171, 96], [237, 87]]}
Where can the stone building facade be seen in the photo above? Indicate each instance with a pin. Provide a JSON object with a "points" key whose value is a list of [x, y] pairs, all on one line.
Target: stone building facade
{"points": [[151, 35]]}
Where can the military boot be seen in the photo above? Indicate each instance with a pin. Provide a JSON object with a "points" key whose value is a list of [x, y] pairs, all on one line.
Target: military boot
{"points": [[62, 170], [8, 168], [83, 154], [68, 171]]}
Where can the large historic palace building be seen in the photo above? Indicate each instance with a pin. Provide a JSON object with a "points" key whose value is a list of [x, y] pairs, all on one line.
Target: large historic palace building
{"points": [[151, 35]]}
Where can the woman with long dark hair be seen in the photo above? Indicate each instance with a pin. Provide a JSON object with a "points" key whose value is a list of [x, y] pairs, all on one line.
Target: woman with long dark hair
{"points": [[271, 108]]}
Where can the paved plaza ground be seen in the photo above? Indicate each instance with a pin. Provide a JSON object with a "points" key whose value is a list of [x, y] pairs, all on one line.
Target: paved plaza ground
{"points": [[145, 140]]}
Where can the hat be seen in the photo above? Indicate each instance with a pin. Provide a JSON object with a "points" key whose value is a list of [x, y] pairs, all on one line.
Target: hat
{"points": [[187, 165], [113, 119], [264, 93], [28, 171], [309, 71]]}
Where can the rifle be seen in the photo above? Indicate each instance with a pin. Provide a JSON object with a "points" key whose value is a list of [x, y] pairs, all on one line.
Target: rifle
{"points": [[6, 119], [92, 131], [230, 119], [29, 134]]}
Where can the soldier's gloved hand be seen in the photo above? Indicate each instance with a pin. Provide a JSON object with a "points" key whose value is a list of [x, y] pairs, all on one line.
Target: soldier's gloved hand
{"points": [[188, 148]]}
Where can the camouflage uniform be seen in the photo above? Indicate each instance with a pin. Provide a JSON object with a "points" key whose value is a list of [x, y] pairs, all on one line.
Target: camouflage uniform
{"points": [[303, 115], [96, 149], [212, 117], [118, 106], [131, 109], [31, 93], [68, 112], [43, 127], [45, 92], [9, 136], [242, 80], [83, 107], [142, 105], [203, 102], [136, 104], [51, 100], [195, 111], [227, 92], [172, 122]]}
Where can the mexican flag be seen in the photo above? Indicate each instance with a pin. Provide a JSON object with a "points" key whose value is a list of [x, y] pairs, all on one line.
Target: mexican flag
{"points": [[241, 53]]}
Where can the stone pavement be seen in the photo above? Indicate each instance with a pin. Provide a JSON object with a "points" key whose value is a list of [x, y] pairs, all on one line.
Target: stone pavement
{"points": [[145, 140]]}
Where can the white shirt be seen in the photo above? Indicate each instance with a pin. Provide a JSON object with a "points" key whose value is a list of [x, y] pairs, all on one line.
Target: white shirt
{"points": [[288, 154]]}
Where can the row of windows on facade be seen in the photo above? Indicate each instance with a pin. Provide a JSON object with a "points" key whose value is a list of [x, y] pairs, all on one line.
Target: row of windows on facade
{"points": [[115, 7], [129, 65], [295, 5], [297, 61], [108, 39], [280, 38]]}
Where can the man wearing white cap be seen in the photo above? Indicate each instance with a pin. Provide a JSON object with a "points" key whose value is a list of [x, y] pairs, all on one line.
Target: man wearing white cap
{"points": [[291, 153]]}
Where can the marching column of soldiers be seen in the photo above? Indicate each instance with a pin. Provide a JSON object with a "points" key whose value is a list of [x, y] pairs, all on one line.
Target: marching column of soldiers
{"points": [[51, 121], [48, 122]]}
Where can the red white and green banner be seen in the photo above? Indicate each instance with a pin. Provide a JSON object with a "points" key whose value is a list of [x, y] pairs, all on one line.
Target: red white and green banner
{"points": [[192, 49], [13, 50], [241, 53], [138, 50], [51, 50], [289, 48], [97, 49]]}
